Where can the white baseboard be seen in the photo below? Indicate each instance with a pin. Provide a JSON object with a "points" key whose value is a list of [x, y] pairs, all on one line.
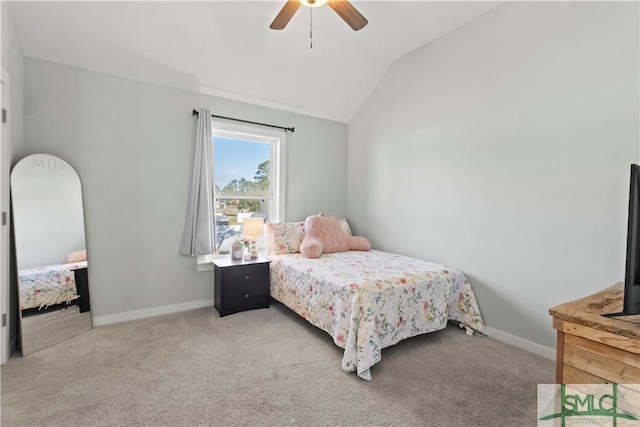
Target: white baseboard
{"points": [[513, 340], [150, 312], [538, 349]]}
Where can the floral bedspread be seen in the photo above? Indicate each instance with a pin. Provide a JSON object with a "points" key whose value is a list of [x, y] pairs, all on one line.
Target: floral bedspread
{"points": [[41, 287], [372, 299]]}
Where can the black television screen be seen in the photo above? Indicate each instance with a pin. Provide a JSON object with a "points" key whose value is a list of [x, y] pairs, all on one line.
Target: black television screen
{"points": [[631, 305]]}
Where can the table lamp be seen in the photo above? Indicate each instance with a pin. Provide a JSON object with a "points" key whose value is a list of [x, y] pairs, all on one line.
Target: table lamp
{"points": [[252, 227]]}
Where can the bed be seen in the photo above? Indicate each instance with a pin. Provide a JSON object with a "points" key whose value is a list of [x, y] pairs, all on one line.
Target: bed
{"points": [[369, 300]]}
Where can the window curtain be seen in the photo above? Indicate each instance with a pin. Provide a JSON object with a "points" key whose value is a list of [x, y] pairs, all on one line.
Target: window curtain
{"points": [[198, 236]]}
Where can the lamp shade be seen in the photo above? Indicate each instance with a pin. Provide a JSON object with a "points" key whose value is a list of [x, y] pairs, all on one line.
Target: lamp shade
{"points": [[253, 226]]}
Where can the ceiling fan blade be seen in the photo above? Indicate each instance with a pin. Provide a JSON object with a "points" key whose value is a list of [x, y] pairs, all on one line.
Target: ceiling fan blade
{"points": [[349, 13], [286, 13]]}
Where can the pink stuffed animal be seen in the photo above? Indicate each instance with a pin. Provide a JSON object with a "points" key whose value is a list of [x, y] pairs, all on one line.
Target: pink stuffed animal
{"points": [[323, 234]]}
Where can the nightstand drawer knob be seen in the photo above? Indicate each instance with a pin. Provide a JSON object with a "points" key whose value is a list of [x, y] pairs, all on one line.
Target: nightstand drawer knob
{"points": [[246, 277], [246, 295]]}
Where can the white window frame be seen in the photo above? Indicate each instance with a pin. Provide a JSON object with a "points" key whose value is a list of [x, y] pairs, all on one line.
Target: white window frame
{"points": [[277, 138]]}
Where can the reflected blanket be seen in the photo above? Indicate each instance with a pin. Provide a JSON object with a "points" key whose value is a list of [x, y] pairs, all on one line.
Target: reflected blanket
{"points": [[371, 300], [48, 285]]}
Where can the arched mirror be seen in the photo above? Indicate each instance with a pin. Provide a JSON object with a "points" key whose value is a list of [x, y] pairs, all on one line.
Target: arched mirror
{"points": [[50, 252]]}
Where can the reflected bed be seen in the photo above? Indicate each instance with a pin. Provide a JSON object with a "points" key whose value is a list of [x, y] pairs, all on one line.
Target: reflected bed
{"points": [[48, 286]]}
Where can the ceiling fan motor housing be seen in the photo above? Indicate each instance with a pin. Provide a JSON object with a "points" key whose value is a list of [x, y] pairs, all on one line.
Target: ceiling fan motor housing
{"points": [[313, 3]]}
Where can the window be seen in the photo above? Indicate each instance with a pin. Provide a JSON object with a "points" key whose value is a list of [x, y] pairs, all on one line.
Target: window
{"points": [[248, 173]]}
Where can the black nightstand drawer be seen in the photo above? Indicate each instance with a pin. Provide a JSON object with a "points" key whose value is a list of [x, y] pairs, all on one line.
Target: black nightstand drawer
{"points": [[240, 299], [240, 286], [244, 275]]}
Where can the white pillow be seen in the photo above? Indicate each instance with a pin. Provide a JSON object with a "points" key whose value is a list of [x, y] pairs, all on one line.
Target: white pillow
{"points": [[345, 226]]}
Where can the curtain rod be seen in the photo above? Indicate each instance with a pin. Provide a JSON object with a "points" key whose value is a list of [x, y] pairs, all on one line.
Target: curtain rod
{"points": [[197, 113]]}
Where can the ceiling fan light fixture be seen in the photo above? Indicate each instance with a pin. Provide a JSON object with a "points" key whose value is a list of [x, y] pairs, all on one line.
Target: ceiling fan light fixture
{"points": [[312, 3]]}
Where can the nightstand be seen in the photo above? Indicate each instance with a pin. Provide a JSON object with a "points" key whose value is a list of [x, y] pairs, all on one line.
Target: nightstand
{"points": [[240, 285]]}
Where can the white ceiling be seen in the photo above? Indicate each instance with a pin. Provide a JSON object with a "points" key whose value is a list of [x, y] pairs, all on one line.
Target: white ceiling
{"points": [[226, 48]]}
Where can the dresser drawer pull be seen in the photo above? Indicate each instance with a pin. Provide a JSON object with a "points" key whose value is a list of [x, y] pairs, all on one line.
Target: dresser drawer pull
{"points": [[246, 295], [246, 277]]}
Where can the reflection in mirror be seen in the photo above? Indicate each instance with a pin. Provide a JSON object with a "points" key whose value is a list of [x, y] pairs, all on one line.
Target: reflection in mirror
{"points": [[50, 252]]}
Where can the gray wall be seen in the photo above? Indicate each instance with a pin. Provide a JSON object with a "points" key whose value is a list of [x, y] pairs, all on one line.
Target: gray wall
{"points": [[507, 144], [132, 145]]}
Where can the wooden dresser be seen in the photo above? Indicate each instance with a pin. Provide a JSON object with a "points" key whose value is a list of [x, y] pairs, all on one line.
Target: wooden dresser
{"points": [[593, 349]]}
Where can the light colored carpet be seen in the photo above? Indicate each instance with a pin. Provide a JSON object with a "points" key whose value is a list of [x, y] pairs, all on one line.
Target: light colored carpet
{"points": [[266, 367]]}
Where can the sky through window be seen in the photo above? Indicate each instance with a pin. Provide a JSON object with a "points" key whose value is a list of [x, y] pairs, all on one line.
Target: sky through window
{"points": [[237, 158]]}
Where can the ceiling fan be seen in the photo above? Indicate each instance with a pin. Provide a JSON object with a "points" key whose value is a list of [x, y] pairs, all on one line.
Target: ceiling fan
{"points": [[342, 7]]}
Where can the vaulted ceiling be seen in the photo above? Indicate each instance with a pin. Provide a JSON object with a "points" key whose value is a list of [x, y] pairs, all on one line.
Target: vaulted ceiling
{"points": [[226, 48]]}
